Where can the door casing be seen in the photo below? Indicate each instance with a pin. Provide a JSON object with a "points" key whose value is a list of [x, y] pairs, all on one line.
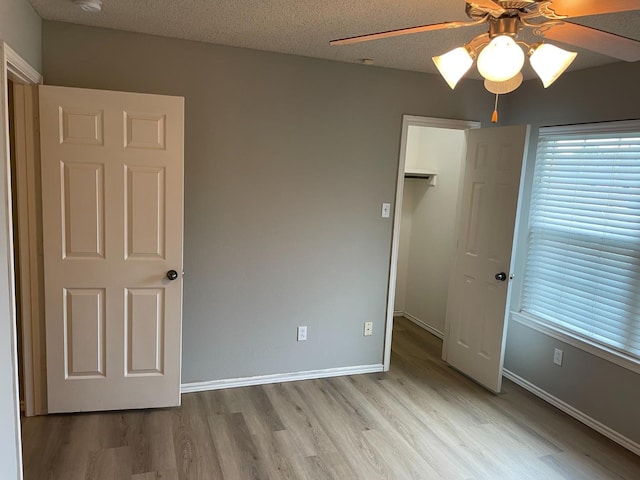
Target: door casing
{"points": [[27, 211], [15, 68]]}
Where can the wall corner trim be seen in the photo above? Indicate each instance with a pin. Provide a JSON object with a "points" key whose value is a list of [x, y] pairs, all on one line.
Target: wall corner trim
{"points": [[574, 412], [278, 378]]}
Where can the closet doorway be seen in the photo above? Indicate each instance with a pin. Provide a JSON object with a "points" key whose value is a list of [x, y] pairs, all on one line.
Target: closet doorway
{"points": [[425, 226]]}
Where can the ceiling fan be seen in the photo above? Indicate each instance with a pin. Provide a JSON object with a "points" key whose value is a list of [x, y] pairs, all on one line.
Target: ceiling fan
{"points": [[499, 53]]}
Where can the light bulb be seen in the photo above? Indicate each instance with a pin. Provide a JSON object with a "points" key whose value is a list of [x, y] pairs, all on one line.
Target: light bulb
{"points": [[501, 60], [550, 62], [453, 65]]}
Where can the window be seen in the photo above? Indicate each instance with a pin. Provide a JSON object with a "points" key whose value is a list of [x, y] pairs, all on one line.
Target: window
{"points": [[582, 272]]}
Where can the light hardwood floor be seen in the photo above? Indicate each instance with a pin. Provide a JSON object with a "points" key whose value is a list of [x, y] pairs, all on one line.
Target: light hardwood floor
{"points": [[420, 420]]}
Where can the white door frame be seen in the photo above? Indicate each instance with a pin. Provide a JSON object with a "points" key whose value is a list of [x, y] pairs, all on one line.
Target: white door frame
{"points": [[28, 261], [14, 68], [407, 121]]}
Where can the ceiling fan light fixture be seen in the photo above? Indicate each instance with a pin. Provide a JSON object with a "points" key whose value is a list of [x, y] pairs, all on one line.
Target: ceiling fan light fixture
{"points": [[453, 65], [549, 62], [501, 60]]}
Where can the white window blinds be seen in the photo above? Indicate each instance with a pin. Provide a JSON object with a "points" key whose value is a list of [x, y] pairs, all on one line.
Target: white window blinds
{"points": [[583, 263]]}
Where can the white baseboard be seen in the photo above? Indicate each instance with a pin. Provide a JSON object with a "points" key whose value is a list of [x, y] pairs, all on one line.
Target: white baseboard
{"points": [[574, 412], [398, 314], [422, 324], [278, 378]]}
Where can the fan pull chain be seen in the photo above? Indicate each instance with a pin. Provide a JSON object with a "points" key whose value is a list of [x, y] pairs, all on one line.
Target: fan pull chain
{"points": [[494, 117]]}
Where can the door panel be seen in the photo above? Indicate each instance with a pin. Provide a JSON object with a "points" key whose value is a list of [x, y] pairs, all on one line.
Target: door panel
{"points": [[145, 211], [112, 184], [477, 301], [83, 210], [145, 331], [85, 339]]}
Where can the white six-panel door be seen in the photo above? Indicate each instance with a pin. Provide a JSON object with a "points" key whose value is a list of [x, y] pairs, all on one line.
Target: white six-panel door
{"points": [[112, 189], [477, 300]]}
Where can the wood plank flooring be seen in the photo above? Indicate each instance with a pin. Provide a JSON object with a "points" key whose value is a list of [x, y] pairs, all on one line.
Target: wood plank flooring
{"points": [[420, 420]]}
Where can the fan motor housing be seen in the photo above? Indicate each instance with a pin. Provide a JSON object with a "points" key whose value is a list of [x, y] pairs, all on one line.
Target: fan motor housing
{"points": [[516, 4], [510, 26], [512, 7]]}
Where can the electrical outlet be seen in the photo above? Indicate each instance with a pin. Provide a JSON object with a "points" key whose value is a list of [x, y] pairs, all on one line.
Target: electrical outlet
{"points": [[302, 333], [557, 356], [368, 328]]}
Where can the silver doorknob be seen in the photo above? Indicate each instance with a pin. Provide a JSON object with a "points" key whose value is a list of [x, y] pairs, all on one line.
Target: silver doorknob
{"points": [[501, 276], [172, 274]]}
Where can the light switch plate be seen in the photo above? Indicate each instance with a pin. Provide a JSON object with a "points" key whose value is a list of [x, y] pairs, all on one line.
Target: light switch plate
{"points": [[386, 210]]}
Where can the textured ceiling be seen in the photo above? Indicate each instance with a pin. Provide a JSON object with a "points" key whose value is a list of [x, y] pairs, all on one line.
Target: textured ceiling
{"points": [[304, 27]]}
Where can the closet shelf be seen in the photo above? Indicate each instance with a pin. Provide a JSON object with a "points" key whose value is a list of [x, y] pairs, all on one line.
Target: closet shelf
{"points": [[425, 174]]}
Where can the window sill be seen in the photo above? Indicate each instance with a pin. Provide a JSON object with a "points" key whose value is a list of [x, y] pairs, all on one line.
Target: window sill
{"points": [[610, 355]]}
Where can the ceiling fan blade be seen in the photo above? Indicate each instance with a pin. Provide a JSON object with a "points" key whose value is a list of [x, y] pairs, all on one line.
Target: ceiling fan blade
{"points": [[401, 31], [581, 8], [599, 41]]}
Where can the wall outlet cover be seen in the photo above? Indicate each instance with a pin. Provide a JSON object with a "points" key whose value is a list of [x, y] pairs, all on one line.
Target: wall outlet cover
{"points": [[557, 356], [368, 328], [302, 333]]}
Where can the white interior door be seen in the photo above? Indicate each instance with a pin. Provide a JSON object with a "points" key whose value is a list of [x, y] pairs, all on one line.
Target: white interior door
{"points": [[477, 299], [112, 190]]}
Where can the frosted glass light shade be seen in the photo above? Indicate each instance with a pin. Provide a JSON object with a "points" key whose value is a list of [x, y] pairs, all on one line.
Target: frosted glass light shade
{"points": [[549, 62], [501, 60], [453, 65]]}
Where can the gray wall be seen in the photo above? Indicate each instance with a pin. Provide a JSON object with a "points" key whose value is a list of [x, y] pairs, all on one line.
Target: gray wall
{"points": [[287, 162], [20, 29], [602, 390]]}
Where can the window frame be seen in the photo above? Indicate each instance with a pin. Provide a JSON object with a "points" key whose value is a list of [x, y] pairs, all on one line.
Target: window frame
{"points": [[545, 326]]}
